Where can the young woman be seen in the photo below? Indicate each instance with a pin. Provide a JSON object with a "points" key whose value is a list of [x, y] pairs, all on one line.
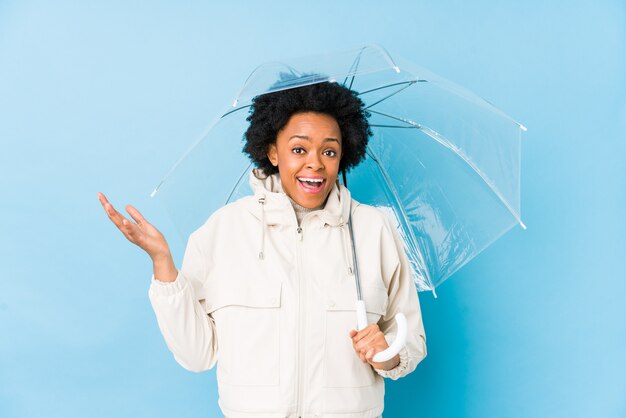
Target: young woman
{"points": [[266, 289]]}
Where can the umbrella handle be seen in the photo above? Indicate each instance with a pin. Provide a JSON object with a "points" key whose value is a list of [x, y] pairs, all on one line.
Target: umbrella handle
{"points": [[396, 345]]}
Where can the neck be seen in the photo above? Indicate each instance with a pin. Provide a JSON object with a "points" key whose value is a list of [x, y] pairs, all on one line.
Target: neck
{"points": [[300, 210]]}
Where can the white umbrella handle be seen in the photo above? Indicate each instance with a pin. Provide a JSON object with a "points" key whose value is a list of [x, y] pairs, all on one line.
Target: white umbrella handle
{"points": [[396, 345]]}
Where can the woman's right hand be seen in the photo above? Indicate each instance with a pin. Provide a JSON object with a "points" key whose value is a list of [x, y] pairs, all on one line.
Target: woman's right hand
{"points": [[141, 233]]}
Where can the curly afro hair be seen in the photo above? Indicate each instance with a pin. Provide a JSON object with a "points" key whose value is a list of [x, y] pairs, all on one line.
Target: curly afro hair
{"points": [[270, 112]]}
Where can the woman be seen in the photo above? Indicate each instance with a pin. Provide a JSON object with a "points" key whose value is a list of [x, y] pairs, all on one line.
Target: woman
{"points": [[266, 289]]}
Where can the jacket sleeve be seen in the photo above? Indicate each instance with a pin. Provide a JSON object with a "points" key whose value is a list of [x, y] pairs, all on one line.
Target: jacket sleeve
{"points": [[188, 331], [402, 298]]}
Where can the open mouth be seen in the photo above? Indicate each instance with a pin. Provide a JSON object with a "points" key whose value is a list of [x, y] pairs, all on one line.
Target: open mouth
{"points": [[311, 185]]}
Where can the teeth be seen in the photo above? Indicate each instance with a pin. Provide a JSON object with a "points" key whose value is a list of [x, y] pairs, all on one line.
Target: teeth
{"points": [[310, 180]]}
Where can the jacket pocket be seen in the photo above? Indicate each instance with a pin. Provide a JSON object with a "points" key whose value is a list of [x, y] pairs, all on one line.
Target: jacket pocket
{"points": [[247, 318], [343, 367]]}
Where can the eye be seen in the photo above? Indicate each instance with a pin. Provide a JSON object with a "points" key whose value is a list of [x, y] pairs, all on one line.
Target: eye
{"points": [[298, 150], [330, 153]]}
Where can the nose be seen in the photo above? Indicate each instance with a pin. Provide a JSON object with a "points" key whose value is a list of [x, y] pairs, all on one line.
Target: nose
{"points": [[314, 162]]}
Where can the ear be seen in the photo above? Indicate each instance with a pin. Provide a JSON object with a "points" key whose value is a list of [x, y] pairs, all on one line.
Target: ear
{"points": [[272, 154]]}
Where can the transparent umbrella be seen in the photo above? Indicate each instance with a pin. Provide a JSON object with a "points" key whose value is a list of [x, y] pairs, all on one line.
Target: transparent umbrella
{"points": [[443, 163]]}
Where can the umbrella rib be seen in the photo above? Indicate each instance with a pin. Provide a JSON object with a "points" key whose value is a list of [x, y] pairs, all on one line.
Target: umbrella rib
{"points": [[442, 140], [405, 218], [258, 68], [243, 174], [392, 126], [391, 85], [410, 123], [234, 110], [446, 143], [192, 147], [353, 68], [406, 86]]}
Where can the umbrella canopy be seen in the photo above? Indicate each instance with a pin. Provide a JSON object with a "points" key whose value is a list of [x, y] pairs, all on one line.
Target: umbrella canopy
{"points": [[443, 163]]}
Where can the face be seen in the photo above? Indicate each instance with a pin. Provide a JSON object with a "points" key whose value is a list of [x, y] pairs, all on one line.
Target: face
{"points": [[307, 153]]}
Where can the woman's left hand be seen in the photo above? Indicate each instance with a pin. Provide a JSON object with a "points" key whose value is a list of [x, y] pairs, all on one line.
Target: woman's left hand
{"points": [[369, 341]]}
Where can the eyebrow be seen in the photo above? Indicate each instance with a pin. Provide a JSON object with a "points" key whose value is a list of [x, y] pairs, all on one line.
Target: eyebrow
{"points": [[308, 139]]}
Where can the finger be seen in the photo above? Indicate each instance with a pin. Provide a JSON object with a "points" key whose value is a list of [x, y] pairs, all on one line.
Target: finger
{"points": [[117, 218], [364, 333], [358, 350], [358, 335], [110, 210], [367, 341], [128, 228], [108, 207], [132, 232], [136, 215], [103, 200]]}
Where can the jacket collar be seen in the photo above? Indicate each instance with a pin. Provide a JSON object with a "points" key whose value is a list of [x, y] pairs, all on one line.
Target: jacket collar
{"points": [[278, 208]]}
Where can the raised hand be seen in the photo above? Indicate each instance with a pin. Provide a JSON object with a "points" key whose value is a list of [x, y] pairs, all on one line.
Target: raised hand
{"points": [[141, 232]]}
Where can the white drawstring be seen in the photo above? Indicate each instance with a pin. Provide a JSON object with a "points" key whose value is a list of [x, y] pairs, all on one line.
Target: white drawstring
{"points": [[346, 255], [262, 244]]}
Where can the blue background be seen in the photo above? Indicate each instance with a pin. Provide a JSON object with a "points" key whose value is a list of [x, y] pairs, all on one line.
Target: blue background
{"points": [[105, 96]]}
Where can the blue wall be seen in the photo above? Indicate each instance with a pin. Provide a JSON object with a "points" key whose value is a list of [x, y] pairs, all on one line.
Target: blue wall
{"points": [[104, 96]]}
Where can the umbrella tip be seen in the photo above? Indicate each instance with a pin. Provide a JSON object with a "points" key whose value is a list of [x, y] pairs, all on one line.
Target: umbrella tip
{"points": [[156, 189], [235, 102], [523, 128], [523, 225], [396, 68]]}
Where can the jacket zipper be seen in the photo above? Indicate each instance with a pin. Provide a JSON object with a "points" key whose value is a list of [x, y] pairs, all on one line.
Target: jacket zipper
{"points": [[301, 312]]}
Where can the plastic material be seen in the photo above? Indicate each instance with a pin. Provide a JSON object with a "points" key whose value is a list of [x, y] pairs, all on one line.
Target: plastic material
{"points": [[443, 163], [361, 315]]}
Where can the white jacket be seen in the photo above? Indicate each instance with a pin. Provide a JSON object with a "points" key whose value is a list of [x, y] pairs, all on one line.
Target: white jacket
{"points": [[273, 303]]}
